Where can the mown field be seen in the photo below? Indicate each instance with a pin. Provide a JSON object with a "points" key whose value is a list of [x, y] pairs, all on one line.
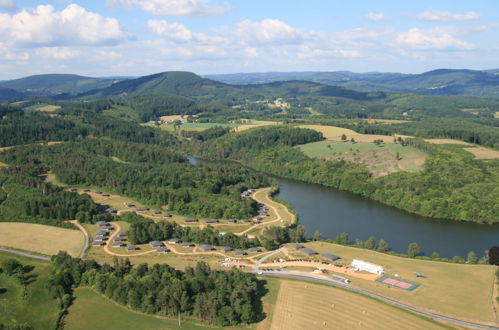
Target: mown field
{"points": [[44, 107], [32, 305], [42, 239], [91, 310], [302, 305], [460, 290]]}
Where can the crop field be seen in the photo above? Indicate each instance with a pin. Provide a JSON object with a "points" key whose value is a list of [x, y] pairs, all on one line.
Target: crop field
{"points": [[379, 159], [44, 107], [483, 153], [447, 141], [92, 310], [40, 238], [460, 290], [334, 133], [386, 121], [255, 123], [302, 305], [272, 285], [33, 305], [172, 117]]}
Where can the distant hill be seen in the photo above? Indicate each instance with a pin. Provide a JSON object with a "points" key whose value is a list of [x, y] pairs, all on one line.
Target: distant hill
{"points": [[437, 82], [7, 94], [51, 84]]}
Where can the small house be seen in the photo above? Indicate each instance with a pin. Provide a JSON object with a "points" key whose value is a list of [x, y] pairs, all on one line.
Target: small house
{"points": [[100, 238], [162, 250], [121, 234], [86, 190], [186, 244], [102, 223], [72, 189], [257, 219], [142, 208], [119, 239], [254, 249], [298, 246], [110, 210], [101, 233], [309, 252], [98, 243], [330, 256], [360, 265], [226, 249], [240, 253], [232, 220], [174, 240], [156, 244], [206, 247], [132, 248], [106, 227], [245, 220], [98, 192], [156, 212], [190, 219], [211, 220], [105, 194], [129, 205], [118, 244], [167, 215]]}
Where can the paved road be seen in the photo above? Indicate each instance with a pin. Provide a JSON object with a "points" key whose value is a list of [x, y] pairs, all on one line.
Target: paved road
{"points": [[24, 254], [382, 298], [257, 264], [85, 238]]}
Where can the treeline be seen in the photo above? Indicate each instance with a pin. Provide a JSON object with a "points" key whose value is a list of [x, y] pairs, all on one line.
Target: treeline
{"points": [[146, 230], [26, 197], [223, 298], [452, 184]]}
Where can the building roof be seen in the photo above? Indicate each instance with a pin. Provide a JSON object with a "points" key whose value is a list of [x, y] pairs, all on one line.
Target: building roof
{"points": [[187, 244], [211, 220], [122, 234], [308, 251], [298, 246], [156, 243], [167, 215], [142, 208], [239, 253], [156, 211], [232, 220], [118, 239], [330, 256], [110, 210], [206, 247], [174, 240], [102, 223], [226, 249], [132, 247], [118, 244], [105, 194], [162, 249], [86, 190], [190, 219], [98, 192], [254, 249], [101, 232], [97, 243]]}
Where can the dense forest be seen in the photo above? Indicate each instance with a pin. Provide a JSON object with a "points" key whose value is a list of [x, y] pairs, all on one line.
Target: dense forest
{"points": [[224, 298]]}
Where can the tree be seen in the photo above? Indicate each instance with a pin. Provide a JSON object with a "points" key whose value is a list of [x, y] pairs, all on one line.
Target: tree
{"points": [[352, 140], [458, 259], [343, 137], [472, 258], [382, 246], [370, 243], [494, 255], [435, 255], [342, 239], [317, 236], [413, 250], [297, 234]]}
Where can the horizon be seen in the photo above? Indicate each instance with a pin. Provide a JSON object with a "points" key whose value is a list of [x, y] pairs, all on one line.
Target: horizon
{"points": [[136, 37]]}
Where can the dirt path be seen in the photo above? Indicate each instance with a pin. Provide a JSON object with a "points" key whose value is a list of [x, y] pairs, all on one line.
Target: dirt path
{"points": [[84, 248]]}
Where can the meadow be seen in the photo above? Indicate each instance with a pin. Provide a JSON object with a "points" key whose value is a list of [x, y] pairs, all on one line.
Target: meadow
{"points": [[325, 307], [459, 290], [41, 239]]}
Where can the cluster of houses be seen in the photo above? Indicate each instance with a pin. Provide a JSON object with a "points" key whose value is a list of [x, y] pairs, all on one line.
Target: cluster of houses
{"points": [[310, 252], [212, 221], [180, 120], [247, 193], [145, 208], [263, 212]]}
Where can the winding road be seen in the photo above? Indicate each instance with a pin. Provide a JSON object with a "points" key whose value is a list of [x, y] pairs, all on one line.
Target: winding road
{"points": [[25, 254], [84, 248]]}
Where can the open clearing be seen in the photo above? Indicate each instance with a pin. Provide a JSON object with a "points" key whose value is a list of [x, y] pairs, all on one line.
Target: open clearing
{"points": [[334, 133], [458, 290], [447, 141], [33, 305], [386, 121], [483, 153], [248, 124], [379, 159], [92, 310], [45, 107], [42, 239], [172, 117], [302, 305]]}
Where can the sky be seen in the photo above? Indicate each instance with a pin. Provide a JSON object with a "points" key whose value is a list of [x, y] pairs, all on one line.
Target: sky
{"points": [[139, 37]]}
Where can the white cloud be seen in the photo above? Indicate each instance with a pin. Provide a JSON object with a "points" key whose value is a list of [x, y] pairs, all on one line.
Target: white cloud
{"points": [[376, 17], [445, 16], [268, 31], [431, 40], [174, 30], [196, 8], [7, 4], [74, 25], [57, 53], [251, 52]]}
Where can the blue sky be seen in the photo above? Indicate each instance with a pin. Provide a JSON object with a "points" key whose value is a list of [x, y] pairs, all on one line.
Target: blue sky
{"points": [[139, 37]]}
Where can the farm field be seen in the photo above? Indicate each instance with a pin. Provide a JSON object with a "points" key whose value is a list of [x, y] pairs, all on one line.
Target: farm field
{"points": [[460, 290], [323, 307], [44, 107], [447, 141], [248, 124], [483, 153], [380, 160], [42, 239], [36, 306], [334, 133], [272, 285], [92, 310]]}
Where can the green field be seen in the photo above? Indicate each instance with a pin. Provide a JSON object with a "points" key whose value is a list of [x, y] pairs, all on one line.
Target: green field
{"points": [[379, 159], [463, 291], [91, 310], [35, 306]]}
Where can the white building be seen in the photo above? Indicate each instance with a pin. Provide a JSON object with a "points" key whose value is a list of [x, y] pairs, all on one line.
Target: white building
{"points": [[367, 266]]}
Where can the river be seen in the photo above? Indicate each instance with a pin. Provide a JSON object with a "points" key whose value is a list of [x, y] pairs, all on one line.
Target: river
{"points": [[332, 212]]}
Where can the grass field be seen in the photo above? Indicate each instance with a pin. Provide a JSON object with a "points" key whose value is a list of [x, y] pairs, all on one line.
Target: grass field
{"points": [[172, 117], [447, 141], [91, 310], [262, 195], [34, 306], [483, 153], [248, 124], [380, 160], [122, 112], [302, 305], [272, 285], [40, 238], [44, 107], [464, 291]]}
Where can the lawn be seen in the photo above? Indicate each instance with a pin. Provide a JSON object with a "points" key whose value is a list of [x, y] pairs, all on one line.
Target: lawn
{"points": [[463, 291], [36, 307], [302, 305], [91, 310], [42, 239], [379, 159]]}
